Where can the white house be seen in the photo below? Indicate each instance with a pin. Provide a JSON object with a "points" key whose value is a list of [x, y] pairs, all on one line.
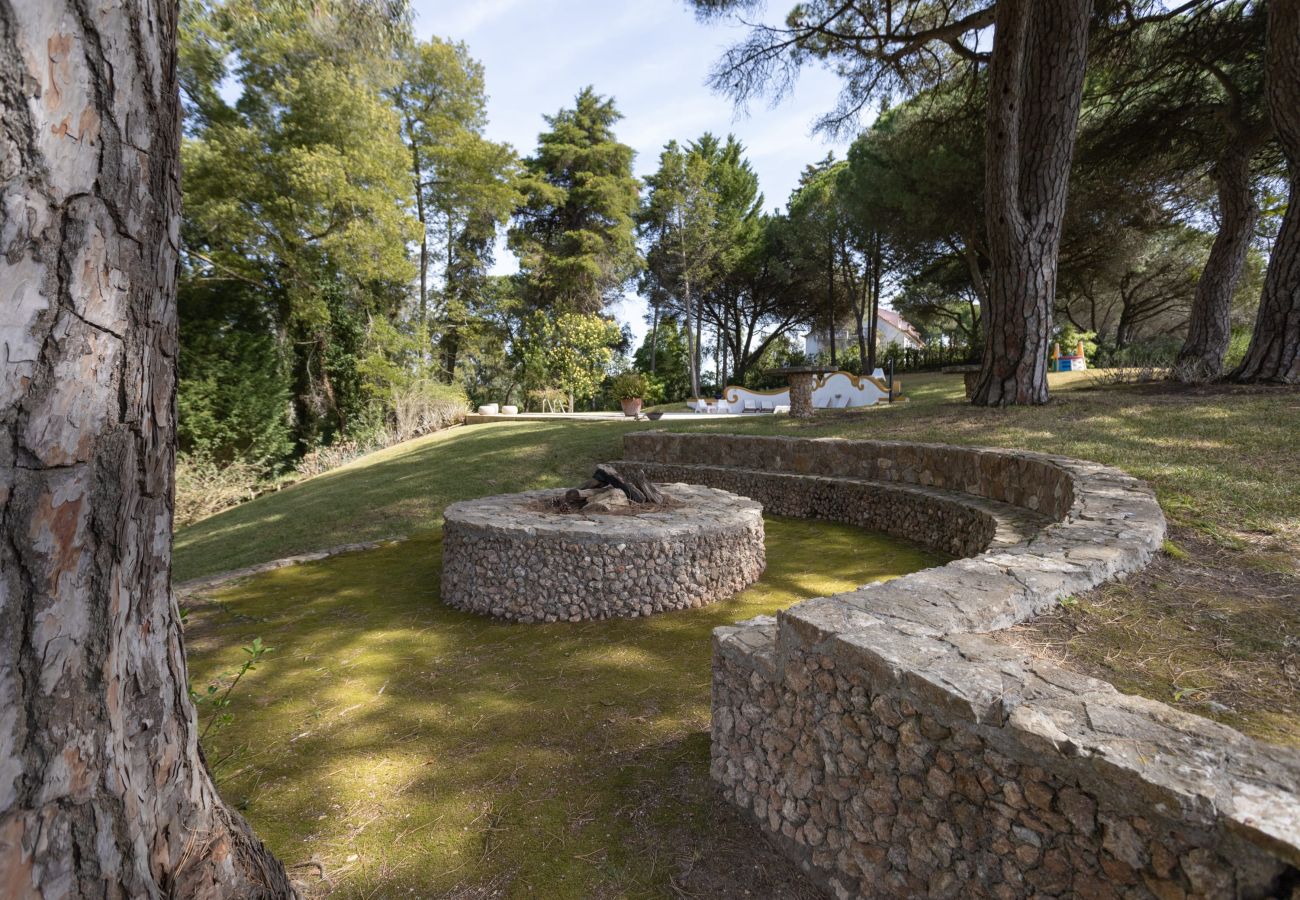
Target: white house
{"points": [[891, 327]]}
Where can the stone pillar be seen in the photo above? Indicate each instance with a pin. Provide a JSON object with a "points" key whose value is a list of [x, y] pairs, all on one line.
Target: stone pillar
{"points": [[801, 394]]}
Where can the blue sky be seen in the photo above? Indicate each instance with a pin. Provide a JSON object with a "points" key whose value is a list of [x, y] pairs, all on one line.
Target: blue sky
{"points": [[653, 57]]}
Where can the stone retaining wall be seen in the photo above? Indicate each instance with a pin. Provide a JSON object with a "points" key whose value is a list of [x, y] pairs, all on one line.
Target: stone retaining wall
{"points": [[504, 556], [893, 750]]}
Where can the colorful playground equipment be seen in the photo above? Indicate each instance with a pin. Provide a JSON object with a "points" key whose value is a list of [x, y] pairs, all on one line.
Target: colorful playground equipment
{"points": [[1076, 363]]}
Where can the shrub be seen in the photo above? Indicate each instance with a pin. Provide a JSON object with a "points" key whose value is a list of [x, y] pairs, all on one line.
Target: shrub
{"points": [[331, 456], [205, 487], [629, 386], [424, 406], [548, 396], [1135, 364]]}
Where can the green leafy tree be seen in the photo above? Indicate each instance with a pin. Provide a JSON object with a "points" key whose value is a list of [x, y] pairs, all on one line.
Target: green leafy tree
{"points": [[234, 386], [843, 239], [297, 192], [574, 233], [571, 352], [580, 353], [914, 195], [489, 365], [680, 221], [1181, 105], [664, 356], [463, 184]]}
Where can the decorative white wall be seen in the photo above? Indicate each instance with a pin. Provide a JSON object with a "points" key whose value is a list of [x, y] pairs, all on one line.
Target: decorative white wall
{"points": [[836, 390]]}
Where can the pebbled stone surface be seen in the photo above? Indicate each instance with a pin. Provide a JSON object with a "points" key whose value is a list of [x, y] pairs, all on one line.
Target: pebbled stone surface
{"points": [[883, 742], [503, 556]]}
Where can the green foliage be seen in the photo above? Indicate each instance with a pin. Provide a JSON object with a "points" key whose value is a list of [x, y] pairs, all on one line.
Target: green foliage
{"points": [[1069, 337], [663, 354], [629, 386], [464, 185], [703, 223], [489, 362], [296, 193], [233, 393], [213, 704], [571, 352], [574, 232], [778, 354], [917, 178]]}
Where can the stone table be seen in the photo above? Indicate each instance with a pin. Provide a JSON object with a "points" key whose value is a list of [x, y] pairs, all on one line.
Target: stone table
{"points": [[970, 374], [801, 380]]}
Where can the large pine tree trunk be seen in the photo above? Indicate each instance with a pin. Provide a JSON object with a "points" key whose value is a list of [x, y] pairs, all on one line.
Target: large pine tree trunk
{"points": [[103, 789], [1274, 353], [1040, 50], [1210, 329]]}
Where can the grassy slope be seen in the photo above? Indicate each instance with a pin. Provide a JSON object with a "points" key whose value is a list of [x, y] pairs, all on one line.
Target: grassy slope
{"points": [[1227, 464]]}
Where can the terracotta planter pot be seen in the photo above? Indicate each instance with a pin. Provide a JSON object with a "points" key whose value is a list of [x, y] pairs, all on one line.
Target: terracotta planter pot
{"points": [[632, 407]]}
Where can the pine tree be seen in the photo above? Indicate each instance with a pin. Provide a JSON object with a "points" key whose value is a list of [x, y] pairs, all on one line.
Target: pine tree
{"points": [[574, 234]]}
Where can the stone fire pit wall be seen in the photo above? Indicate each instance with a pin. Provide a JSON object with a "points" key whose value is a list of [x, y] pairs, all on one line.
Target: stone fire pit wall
{"points": [[505, 556], [888, 745]]}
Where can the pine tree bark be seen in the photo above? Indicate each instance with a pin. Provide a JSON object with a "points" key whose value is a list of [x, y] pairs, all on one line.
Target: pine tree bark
{"points": [[103, 787], [1209, 330], [1040, 50], [1274, 352]]}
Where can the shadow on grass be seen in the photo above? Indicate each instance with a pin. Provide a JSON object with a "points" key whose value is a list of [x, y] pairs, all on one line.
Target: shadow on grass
{"points": [[412, 747]]}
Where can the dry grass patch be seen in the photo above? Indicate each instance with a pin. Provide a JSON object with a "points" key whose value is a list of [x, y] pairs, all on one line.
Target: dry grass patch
{"points": [[1203, 628]]}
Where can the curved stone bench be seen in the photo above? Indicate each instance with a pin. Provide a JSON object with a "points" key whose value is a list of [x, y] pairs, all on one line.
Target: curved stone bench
{"points": [[894, 750]]}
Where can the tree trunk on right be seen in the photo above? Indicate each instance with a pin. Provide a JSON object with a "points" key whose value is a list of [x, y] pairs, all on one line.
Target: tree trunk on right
{"points": [[1040, 50], [1274, 352], [1210, 328]]}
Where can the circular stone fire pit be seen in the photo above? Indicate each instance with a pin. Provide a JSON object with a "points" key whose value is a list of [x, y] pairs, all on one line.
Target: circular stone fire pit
{"points": [[520, 557]]}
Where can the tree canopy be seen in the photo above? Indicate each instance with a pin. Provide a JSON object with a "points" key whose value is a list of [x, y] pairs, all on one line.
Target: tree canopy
{"points": [[574, 232]]}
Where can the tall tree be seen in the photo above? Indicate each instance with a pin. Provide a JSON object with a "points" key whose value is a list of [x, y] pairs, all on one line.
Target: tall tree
{"points": [[103, 788], [1035, 72], [679, 220], [738, 233], [766, 295], [299, 189], [1040, 50], [817, 213], [574, 233], [463, 184], [914, 191], [1274, 352], [828, 209], [1177, 102]]}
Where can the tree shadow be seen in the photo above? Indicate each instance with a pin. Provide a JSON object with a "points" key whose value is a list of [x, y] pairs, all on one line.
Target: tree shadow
{"points": [[410, 746]]}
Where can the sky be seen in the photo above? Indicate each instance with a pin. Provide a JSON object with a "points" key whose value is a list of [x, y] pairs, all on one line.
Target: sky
{"points": [[653, 57]]}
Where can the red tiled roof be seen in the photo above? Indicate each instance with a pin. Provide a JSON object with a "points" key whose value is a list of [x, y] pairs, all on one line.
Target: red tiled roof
{"points": [[901, 324]]}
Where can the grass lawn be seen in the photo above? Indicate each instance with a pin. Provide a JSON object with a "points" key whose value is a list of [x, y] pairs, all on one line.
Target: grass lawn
{"points": [[412, 748]]}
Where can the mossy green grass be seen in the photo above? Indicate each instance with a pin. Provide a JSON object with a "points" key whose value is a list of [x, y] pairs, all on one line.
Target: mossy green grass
{"points": [[414, 750]]}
